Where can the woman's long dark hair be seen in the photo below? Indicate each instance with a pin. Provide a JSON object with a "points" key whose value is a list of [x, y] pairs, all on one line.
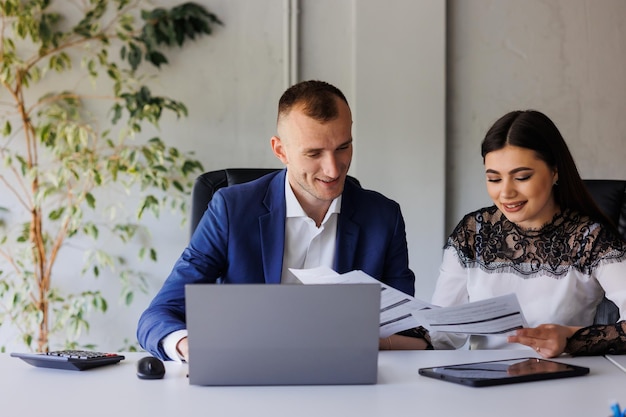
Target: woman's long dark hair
{"points": [[533, 130]]}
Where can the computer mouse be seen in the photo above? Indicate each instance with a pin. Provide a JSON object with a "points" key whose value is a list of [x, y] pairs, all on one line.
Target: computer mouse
{"points": [[150, 367]]}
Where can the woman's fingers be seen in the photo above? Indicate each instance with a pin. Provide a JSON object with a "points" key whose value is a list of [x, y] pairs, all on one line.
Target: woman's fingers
{"points": [[549, 340]]}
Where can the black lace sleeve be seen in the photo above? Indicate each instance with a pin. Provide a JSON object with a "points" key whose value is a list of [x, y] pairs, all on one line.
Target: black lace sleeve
{"points": [[598, 340]]}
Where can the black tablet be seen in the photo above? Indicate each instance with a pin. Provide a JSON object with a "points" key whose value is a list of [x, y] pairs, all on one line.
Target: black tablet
{"points": [[482, 374]]}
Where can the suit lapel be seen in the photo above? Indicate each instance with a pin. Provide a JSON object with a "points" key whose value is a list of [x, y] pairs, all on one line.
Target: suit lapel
{"points": [[347, 232], [272, 228]]}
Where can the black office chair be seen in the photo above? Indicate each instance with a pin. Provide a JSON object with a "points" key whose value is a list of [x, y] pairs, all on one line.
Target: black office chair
{"points": [[610, 196], [209, 182]]}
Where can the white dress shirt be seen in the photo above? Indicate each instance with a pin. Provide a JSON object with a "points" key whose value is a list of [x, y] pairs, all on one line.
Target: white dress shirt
{"points": [[306, 245]]}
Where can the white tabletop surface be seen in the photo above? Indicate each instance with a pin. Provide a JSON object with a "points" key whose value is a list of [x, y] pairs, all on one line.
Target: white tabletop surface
{"points": [[116, 391]]}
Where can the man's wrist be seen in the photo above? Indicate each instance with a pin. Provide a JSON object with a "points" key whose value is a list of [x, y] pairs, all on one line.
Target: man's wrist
{"points": [[182, 354], [170, 344]]}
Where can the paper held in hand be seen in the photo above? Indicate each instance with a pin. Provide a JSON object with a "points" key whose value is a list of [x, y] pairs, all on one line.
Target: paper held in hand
{"points": [[399, 311]]}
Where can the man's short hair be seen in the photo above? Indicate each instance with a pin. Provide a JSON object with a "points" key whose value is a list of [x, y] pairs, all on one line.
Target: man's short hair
{"points": [[317, 98]]}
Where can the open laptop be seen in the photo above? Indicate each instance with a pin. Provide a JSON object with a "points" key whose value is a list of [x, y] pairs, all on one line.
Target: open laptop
{"points": [[271, 334]]}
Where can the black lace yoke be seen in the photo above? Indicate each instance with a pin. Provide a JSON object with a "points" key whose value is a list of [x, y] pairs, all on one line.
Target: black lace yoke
{"points": [[486, 239]]}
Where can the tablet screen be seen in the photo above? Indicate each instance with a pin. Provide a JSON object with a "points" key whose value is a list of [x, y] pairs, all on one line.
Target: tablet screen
{"points": [[500, 372]]}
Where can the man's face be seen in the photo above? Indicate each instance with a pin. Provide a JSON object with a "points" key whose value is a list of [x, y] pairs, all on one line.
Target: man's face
{"points": [[317, 154]]}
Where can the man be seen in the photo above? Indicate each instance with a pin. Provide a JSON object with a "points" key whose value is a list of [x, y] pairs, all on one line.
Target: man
{"points": [[304, 216]]}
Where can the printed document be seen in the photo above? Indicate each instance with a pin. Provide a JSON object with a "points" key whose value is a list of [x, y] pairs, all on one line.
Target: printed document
{"points": [[497, 315], [399, 311]]}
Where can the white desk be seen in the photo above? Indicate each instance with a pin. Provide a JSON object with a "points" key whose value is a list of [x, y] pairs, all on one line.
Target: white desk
{"points": [[116, 391]]}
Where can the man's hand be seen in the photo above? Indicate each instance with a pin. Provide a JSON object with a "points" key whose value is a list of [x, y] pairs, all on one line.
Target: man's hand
{"points": [[182, 347], [549, 340]]}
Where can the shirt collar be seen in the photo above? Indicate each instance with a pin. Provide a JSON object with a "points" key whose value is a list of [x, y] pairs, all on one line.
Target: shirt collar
{"points": [[294, 209]]}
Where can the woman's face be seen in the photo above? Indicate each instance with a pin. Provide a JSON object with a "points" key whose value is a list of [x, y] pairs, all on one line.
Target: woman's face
{"points": [[520, 184]]}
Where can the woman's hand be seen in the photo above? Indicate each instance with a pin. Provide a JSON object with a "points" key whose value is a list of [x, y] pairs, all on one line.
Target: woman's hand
{"points": [[549, 340], [399, 342]]}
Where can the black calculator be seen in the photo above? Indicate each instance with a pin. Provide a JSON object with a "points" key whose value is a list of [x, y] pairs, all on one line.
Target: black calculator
{"points": [[75, 360]]}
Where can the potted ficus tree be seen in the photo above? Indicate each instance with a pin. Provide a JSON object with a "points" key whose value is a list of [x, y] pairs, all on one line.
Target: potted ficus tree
{"points": [[58, 159]]}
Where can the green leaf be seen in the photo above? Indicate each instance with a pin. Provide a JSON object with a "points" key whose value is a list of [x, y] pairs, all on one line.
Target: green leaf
{"points": [[129, 298], [149, 202], [156, 58], [56, 214], [91, 200], [178, 186], [6, 129], [117, 113], [134, 56], [91, 230]]}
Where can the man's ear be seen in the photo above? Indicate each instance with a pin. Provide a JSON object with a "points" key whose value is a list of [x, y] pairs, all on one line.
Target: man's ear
{"points": [[278, 147]]}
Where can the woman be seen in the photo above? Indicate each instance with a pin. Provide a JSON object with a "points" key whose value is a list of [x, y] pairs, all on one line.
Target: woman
{"points": [[544, 240]]}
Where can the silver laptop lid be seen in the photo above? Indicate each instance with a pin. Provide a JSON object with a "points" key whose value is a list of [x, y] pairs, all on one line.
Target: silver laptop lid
{"points": [[269, 334]]}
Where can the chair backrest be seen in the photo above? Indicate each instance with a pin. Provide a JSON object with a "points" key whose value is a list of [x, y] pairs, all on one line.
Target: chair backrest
{"points": [[610, 196], [208, 183]]}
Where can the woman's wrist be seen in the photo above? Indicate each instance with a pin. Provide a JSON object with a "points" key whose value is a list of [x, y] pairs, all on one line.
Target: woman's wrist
{"points": [[420, 333]]}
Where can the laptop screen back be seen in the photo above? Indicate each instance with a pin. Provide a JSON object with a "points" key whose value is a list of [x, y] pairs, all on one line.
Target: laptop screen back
{"points": [[265, 334]]}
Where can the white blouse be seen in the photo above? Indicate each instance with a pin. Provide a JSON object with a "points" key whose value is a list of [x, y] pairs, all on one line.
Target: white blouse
{"points": [[559, 273]]}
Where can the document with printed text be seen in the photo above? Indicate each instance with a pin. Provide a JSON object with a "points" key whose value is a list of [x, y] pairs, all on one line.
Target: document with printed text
{"points": [[498, 315], [399, 311]]}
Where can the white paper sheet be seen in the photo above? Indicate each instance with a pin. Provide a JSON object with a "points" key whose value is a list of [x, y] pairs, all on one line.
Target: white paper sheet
{"points": [[498, 315], [396, 307], [399, 311]]}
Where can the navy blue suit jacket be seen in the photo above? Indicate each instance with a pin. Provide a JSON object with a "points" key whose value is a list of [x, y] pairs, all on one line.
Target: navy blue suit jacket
{"points": [[240, 239]]}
